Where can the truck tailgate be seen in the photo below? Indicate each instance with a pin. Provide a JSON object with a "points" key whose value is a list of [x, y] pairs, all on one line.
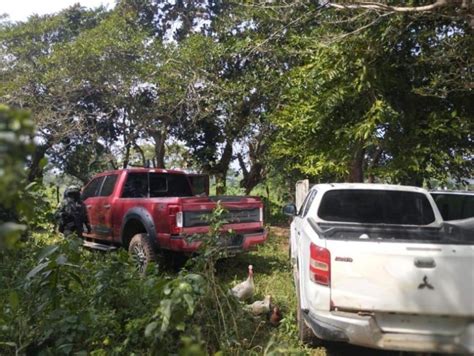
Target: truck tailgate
{"points": [[405, 277], [196, 211]]}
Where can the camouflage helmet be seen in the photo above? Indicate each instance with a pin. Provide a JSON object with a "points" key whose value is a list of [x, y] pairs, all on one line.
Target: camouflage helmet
{"points": [[72, 190]]}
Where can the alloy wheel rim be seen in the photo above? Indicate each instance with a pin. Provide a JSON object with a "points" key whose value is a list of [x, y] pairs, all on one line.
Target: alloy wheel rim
{"points": [[139, 257]]}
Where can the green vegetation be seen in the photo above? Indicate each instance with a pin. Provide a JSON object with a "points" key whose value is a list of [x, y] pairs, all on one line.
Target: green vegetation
{"points": [[16, 131], [377, 109], [62, 299], [286, 90]]}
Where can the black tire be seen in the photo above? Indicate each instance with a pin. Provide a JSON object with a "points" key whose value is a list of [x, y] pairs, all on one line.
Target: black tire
{"points": [[305, 334], [142, 252]]}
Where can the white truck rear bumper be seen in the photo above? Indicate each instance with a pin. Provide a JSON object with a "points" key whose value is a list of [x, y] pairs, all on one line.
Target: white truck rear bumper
{"points": [[364, 330]]}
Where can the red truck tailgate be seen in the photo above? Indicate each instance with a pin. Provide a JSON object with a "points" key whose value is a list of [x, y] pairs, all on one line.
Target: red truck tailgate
{"points": [[243, 211]]}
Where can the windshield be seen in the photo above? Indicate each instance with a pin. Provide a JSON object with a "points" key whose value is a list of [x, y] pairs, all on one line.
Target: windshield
{"points": [[376, 207]]}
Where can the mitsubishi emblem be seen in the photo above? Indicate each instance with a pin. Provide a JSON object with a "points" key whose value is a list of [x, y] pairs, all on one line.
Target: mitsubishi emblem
{"points": [[425, 284]]}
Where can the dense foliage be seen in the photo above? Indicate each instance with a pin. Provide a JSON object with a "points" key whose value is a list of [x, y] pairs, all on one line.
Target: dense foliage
{"points": [[16, 131], [380, 105], [289, 90], [68, 300], [61, 299]]}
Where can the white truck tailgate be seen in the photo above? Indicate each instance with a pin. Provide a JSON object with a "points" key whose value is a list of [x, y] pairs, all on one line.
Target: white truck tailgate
{"points": [[417, 278]]}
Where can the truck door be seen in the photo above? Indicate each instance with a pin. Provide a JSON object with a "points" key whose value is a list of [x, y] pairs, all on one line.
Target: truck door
{"points": [[104, 208], [89, 197]]}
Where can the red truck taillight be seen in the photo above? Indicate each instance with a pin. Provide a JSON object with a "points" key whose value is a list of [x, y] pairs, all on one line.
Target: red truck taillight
{"points": [[320, 265], [175, 219]]}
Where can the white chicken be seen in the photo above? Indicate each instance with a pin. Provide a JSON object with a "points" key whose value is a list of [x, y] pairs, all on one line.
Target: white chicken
{"points": [[260, 307], [245, 289]]}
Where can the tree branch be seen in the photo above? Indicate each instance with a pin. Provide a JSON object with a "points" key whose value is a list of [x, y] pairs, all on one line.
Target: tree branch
{"points": [[242, 166], [383, 7]]}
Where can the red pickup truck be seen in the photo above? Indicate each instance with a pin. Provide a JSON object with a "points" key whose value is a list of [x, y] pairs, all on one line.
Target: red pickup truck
{"points": [[145, 210]]}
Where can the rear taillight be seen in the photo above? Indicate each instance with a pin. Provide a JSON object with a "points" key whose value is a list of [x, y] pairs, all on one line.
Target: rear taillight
{"points": [[320, 265], [175, 219], [179, 219], [261, 214]]}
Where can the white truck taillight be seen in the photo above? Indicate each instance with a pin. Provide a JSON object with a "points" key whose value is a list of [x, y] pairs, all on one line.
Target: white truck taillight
{"points": [[261, 214], [320, 265]]}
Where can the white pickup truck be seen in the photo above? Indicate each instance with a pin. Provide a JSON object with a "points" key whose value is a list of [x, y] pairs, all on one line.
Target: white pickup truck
{"points": [[374, 265]]}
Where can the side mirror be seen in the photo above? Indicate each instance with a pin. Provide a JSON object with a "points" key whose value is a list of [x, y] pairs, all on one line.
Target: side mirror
{"points": [[289, 209]]}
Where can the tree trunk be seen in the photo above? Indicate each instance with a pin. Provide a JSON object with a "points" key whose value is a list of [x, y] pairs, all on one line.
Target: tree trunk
{"points": [[221, 187], [127, 155], [112, 163], [251, 178], [356, 170], [244, 182], [374, 163], [220, 170], [35, 171], [142, 155], [159, 136], [256, 174]]}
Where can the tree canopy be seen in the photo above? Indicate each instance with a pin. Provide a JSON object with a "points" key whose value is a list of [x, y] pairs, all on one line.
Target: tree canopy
{"points": [[331, 91]]}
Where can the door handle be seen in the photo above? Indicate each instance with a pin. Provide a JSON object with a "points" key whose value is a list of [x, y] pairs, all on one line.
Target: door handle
{"points": [[107, 206], [425, 262]]}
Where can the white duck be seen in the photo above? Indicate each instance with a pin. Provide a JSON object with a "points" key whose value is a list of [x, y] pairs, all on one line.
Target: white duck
{"points": [[260, 307], [245, 289]]}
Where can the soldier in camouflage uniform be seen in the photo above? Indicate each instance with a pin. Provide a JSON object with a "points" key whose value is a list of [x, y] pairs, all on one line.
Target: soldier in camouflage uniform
{"points": [[71, 214]]}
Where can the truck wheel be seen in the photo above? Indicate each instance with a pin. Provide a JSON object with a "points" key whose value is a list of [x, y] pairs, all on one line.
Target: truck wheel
{"points": [[141, 251], [305, 334]]}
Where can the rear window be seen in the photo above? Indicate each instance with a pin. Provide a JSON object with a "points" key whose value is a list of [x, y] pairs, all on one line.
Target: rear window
{"points": [[455, 206], [155, 185], [169, 185], [199, 184], [376, 207]]}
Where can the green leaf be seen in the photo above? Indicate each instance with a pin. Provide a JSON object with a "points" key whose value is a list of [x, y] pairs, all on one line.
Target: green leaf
{"points": [[165, 308], [47, 251], [13, 299], [190, 302], [61, 260], [150, 328], [43, 162], [36, 270], [76, 277], [31, 185], [7, 343]]}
